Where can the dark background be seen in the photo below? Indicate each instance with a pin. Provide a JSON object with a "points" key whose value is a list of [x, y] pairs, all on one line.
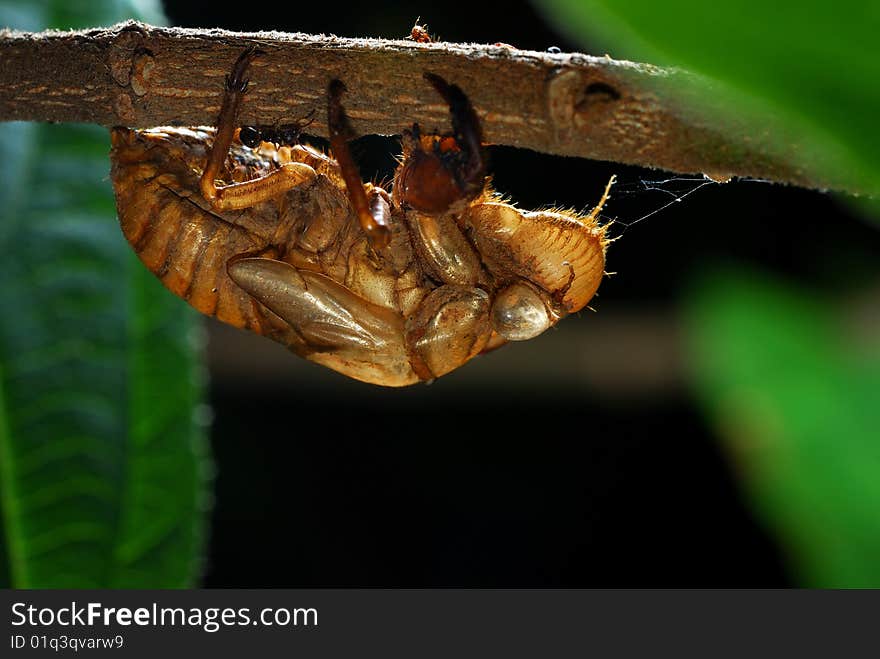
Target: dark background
{"points": [[576, 459]]}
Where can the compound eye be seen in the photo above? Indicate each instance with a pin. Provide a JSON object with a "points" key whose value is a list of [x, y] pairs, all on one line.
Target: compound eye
{"points": [[250, 136], [519, 313]]}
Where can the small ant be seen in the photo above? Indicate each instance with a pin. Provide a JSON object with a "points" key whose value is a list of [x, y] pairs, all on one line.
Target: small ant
{"points": [[279, 135]]}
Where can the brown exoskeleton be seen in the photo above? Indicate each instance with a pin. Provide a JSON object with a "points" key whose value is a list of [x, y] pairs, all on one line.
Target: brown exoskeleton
{"points": [[391, 289]]}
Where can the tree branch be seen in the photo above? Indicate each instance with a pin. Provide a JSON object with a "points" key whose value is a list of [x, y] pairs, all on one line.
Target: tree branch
{"points": [[570, 104]]}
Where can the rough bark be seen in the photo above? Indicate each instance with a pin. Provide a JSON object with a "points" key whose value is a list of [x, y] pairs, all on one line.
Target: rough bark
{"points": [[569, 104]]}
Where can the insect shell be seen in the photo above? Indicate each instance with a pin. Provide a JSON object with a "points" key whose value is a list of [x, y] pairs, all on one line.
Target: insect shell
{"points": [[390, 289]]}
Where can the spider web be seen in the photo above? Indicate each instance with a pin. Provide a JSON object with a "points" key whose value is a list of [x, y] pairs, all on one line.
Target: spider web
{"points": [[643, 198], [658, 195]]}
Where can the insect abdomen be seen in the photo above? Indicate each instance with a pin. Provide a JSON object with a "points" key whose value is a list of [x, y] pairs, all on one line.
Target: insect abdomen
{"points": [[184, 245]]}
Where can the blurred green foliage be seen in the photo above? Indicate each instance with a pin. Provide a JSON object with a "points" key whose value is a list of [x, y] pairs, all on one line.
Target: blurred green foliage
{"points": [[789, 381], [102, 460], [792, 381], [812, 65]]}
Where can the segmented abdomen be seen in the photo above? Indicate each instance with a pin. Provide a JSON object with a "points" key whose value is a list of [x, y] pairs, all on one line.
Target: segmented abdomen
{"points": [[186, 246]]}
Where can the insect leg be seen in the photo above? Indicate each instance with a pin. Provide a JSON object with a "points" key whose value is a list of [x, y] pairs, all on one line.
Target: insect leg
{"points": [[236, 196], [468, 132], [372, 217], [236, 85], [247, 193]]}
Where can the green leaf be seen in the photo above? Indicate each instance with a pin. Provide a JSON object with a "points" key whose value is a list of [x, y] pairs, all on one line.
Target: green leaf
{"points": [[102, 458], [792, 382], [812, 65]]}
